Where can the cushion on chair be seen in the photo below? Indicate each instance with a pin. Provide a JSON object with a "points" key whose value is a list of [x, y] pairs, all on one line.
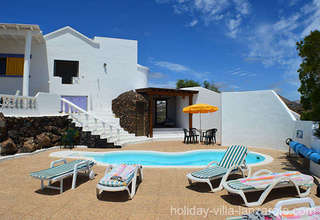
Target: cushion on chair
{"points": [[53, 172], [210, 172]]}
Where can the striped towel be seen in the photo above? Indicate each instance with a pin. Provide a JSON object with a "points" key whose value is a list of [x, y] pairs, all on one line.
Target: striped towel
{"points": [[261, 182], [119, 175]]}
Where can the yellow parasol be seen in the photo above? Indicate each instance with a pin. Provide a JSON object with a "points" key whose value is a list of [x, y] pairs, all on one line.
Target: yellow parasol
{"points": [[200, 108]]}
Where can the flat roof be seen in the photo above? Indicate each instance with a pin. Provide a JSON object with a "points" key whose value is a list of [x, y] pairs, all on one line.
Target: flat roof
{"points": [[166, 91]]}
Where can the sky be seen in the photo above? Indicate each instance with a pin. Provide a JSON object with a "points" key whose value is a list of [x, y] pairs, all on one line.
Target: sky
{"points": [[239, 45]]}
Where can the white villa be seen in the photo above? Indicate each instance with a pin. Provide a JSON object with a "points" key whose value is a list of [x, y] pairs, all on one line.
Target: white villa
{"points": [[39, 72]]}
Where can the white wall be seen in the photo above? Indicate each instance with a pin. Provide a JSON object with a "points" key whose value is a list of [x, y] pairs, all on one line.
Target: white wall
{"points": [[209, 120], [306, 128], [256, 118], [48, 104], [100, 84]]}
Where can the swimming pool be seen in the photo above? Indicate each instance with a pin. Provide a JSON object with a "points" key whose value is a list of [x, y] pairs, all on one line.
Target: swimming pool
{"points": [[196, 158]]}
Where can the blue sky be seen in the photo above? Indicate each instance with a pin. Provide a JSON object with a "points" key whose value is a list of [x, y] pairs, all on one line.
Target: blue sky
{"points": [[237, 44]]}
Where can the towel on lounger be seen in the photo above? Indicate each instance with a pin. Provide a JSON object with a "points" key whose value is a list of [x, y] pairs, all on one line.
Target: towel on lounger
{"points": [[119, 175]]}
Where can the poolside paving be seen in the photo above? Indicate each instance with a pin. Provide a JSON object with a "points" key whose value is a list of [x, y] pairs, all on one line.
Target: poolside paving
{"points": [[163, 194]]}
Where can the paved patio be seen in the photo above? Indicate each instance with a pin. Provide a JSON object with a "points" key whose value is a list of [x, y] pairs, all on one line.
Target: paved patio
{"points": [[163, 194]]}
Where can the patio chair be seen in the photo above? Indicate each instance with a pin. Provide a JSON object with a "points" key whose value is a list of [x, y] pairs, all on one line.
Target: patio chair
{"points": [[210, 136], [232, 161], [194, 135], [118, 178], [62, 171], [187, 136], [267, 183]]}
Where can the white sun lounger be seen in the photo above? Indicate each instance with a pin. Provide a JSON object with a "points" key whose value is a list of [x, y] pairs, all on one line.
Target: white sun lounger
{"points": [[311, 212], [267, 183], [130, 178], [58, 173], [306, 213], [232, 161]]}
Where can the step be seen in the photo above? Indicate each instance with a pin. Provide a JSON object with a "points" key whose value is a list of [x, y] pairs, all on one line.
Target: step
{"points": [[167, 129]]}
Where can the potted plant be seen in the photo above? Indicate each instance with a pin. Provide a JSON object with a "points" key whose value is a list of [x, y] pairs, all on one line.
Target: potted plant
{"points": [[70, 138]]}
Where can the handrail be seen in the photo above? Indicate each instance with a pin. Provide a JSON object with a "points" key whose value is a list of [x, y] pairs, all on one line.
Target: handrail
{"points": [[73, 109], [18, 102]]}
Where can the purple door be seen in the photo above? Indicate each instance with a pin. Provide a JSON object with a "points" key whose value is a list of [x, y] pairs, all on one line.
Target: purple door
{"points": [[80, 101]]}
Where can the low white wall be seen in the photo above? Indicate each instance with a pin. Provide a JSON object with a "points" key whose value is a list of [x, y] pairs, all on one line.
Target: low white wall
{"points": [[256, 118], [48, 104]]}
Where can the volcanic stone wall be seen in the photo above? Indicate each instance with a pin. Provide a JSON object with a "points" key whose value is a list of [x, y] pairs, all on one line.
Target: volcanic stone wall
{"points": [[27, 134], [125, 108]]}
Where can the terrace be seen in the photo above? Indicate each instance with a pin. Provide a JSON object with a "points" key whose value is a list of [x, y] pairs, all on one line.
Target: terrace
{"points": [[163, 194]]}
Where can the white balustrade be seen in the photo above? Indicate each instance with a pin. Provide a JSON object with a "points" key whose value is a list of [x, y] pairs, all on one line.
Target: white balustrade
{"points": [[17, 102], [76, 112]]}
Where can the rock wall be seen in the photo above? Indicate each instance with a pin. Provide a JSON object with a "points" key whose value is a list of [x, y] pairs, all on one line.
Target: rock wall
{"points": [[125, 108], [27, 134]]}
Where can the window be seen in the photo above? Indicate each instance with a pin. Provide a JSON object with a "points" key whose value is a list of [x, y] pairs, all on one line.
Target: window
{"points": [[3, 64], [66, 69], [11, 65], [161, 111]]}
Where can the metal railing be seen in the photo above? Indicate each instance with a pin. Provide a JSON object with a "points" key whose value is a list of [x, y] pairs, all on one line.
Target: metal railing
{"points": [[17, 102], [75, 112]]}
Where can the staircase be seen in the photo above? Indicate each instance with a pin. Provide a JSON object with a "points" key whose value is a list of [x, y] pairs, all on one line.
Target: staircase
{"points": [[168, 133], [100, 123]]}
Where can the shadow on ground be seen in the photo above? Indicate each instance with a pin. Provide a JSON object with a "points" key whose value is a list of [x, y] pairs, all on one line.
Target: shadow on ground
{"points": [[121, 196], [67, 185], [287, 192], [204, 187]]}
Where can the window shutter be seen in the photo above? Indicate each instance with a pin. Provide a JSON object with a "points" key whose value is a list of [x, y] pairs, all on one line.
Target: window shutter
{"points": [[15, 66]]}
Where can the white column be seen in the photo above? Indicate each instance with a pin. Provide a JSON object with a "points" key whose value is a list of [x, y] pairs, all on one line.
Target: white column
{"points": [[26, 67]]}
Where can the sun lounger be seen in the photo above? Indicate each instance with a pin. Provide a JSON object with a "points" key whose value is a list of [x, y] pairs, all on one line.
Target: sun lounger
{"points": [[58, 173], [302, 213], [118, 178], [232, 161], [305, 213], [266, 183]]}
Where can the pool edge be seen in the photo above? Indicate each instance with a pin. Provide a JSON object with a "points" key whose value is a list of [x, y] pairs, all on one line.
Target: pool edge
{"points": [[63, 154]]}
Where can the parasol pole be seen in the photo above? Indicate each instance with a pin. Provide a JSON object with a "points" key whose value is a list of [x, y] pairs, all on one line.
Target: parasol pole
{"points": [[200, 121]]}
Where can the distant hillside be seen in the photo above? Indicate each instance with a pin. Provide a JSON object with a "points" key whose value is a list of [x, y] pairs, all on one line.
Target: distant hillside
{"points": [[294, 106]]}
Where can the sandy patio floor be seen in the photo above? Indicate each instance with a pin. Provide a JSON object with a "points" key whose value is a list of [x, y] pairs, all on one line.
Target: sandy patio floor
{"points": [[163, 194]]}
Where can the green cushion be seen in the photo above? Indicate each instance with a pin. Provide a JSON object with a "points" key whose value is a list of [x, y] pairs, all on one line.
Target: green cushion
{"points": [[53, 172], [210, 172]]}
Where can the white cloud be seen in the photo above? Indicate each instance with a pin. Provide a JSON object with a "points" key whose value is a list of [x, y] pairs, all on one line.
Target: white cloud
{"points": [[213, 11], [171, 66], [185, 71], [233, 26], [193, 23], [169, 84], [238, 72], [157, 75]]}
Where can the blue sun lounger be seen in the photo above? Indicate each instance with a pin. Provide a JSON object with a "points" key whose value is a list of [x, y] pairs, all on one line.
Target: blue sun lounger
{"points": [[58, 173]]}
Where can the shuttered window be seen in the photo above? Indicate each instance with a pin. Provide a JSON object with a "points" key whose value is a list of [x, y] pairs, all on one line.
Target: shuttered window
{"points": [[14, 66], [11, 65]]}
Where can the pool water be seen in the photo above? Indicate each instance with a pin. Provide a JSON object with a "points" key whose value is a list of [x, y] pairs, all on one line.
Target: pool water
{"points": [[156, 158]]}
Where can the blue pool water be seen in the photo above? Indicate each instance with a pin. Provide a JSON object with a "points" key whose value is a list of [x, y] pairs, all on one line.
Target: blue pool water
{"points": [[155, 158]]}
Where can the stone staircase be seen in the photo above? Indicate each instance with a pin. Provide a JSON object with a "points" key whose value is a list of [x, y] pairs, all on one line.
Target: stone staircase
{"points": [[107, 127], [123, 136], [168, 133]]}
